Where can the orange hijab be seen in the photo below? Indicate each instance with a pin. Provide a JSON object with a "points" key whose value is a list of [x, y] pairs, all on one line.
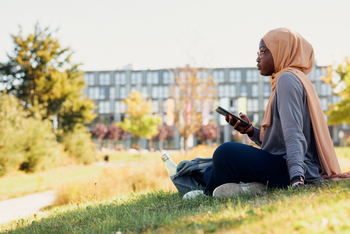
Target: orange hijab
{"points": [[292, 53]]}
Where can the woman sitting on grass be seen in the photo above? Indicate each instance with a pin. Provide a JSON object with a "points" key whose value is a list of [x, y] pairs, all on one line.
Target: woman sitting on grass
{"points": [[296, 148]]}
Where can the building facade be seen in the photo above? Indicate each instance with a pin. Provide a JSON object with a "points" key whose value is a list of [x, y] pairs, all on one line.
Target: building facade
{"points": [[108, 88]]}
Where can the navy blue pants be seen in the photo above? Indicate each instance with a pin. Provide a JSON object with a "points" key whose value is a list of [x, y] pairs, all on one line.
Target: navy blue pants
{"points": [[235, 162]]}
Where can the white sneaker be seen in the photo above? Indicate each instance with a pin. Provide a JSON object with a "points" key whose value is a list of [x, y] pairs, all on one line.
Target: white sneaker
{"points": [[193, 194], [229, 189]]}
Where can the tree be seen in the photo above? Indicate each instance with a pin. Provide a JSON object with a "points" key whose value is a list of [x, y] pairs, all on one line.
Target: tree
{"points": [[194, 90], [207, 132], [41, 75], [339, 78], [99, 131], [140, 122], [164, 132], [113, 133]]}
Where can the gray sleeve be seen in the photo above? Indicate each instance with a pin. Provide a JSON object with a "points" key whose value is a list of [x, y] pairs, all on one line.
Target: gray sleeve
{"points": [[289, 92], [256, 136]]}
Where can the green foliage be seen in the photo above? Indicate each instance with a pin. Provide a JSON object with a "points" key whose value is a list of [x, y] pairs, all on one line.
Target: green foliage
{"points": [[41, 75], [40, 146], [25, 143], [79, 146], [140, 123], [11, 145], [339, 112]]}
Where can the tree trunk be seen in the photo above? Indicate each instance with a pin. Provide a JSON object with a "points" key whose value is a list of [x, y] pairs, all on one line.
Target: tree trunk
{"points": [[185, 145], [182, 145], [140, 149]]}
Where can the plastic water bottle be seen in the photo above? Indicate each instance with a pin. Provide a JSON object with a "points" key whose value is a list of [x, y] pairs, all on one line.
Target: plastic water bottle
{"points": [[169, 164]]}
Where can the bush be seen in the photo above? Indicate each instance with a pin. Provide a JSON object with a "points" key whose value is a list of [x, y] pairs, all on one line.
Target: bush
{"points": [[26, 143], [41, 150], [12, 116], [79, 146]]}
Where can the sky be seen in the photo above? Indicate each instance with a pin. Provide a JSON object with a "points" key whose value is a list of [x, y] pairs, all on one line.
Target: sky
{"points": [[158, 34]]}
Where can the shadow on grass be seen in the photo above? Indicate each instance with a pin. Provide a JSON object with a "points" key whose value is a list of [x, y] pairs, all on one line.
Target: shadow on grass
{"points": [[161, 212]]}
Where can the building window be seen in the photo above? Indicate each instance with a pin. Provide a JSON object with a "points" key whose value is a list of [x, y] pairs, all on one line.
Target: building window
{"points": [[235, 76], [91, 93], [120, 78], [111, 93], [152, 77], [252, 75], [96, 93], [244, 91], [255, 90], [326, 89], [89, 79], [104, 107], [266, 79], [136, 78], [256, 118], [168, 77], [165, 106], [104, 79], [202, 75], [122, 93], [119, 107], [266, 100], [199, 91], [222, 90], [219, 76], [324, 103], [233, 105], [144, 91], [184, 77], [132, 89], [102, 93], [155, 106], [252, 105], [335, 99], [232, 90], [320, 71], [165, 91], [155, 92], [267, 90], [177, 91]]}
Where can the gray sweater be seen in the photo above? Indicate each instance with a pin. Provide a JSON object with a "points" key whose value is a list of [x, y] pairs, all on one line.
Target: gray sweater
{"points": [[290, 134]]}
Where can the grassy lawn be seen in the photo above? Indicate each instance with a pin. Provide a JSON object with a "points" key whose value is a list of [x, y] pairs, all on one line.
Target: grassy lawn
{"points": [[20, 183], [24, 184], [140, 198], [325, 210]]}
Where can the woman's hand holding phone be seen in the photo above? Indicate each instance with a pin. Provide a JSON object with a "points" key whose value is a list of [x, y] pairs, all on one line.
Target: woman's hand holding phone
{"points": [[239, 126]]}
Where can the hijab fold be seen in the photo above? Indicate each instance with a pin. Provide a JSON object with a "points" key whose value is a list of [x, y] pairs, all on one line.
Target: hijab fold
{"points": [[292, 53]]}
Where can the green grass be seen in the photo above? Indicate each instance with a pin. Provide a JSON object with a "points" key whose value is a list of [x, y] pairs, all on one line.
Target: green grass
{"points": [[322, 210], [325, 210]]}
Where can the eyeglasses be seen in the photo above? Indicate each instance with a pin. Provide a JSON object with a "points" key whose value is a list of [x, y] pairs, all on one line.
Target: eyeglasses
{"points": [[261, 52]]}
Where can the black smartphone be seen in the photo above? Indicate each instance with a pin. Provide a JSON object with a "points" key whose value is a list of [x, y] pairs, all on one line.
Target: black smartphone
{"points": [[225, 112]]}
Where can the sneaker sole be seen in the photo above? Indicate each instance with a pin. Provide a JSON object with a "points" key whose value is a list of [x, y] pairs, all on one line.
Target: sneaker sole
{"points": [[230, 189]]}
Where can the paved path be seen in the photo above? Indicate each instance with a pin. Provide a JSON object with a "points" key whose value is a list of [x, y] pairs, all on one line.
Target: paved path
{"points": [[16, 208]]}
